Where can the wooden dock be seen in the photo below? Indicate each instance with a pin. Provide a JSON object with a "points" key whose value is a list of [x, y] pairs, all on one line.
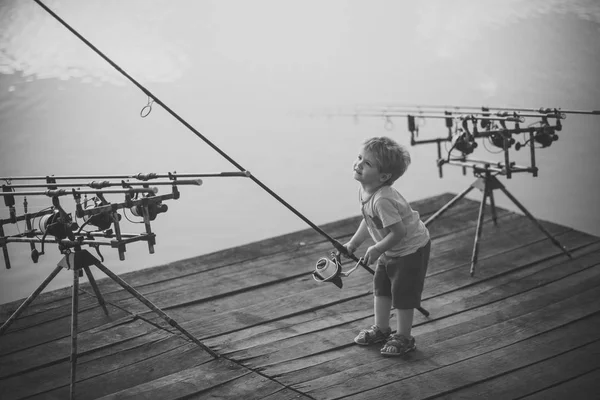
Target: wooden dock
{"points": [[526, 326]]}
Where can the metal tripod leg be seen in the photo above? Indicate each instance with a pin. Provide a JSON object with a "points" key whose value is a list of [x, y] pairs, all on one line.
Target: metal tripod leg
{"points": [[150, 305], [94, 285], [535, 221], [479, 229], [493, 207], [28, 301], [448, 205], [74, 311]]}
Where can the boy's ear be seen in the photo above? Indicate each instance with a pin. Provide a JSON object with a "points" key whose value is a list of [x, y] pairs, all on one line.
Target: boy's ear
{"points": [[383, 177]]}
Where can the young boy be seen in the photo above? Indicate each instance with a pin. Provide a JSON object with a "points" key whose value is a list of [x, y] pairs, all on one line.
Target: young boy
{"points": [[401, 246]]}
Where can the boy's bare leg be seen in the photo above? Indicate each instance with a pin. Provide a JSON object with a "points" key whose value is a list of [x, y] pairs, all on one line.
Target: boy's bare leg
{"points": [[382, 306], [404, 321]]}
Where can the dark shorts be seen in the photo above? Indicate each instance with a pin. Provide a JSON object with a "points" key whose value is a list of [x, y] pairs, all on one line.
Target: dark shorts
{"points": [[402, 278]]}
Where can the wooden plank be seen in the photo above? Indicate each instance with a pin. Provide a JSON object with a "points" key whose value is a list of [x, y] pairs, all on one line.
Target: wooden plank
{"points": [[448, 379], [260, 313], [483, 317], [57, 329], [338, 367], [344, 312], [259, 340], [255, 337], [184, 383], [428, 325], [306, 301], [584, 387], [377, 371], [59, 311], [59, 350], [91, 364], [163, 366], [455, 250], [503, 262], [535, 376], [505, 286], [251, 386], [558, 267], [287, 394], [245, 277], [44, 303]]}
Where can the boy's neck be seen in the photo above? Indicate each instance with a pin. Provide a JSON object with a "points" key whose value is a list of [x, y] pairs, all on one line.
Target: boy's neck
{"points": [[369, 190]]}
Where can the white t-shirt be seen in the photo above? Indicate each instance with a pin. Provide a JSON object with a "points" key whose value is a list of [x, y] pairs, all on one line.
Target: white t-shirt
{"points": [[386, 207]]}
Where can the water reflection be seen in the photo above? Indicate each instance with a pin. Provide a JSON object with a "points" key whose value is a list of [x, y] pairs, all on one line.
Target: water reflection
{"points": [[38, 47]]}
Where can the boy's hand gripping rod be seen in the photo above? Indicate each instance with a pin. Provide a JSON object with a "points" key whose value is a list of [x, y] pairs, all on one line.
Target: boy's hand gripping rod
{"points": [[338, 246]]}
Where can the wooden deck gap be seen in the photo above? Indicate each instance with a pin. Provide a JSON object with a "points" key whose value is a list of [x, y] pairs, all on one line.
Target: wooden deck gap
{"points": [[548, 282], [487, 255], [483, 353], [87, 305], [304, 311], [522, 367], [265, 376], [155, 355], [477, 281], [588, 316], [37, 367], [234, 292], [592, 372], [112, 371]]}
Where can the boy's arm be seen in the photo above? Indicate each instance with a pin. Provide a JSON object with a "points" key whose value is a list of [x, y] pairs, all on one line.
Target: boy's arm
{"points": [[361, 234], [397, 233]]}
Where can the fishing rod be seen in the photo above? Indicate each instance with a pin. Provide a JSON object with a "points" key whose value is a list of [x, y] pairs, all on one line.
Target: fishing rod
{"points": [[541, 110], [385, 114], [139, 176], [434, 113], [64, 192], [336, 244], [100, 184]]}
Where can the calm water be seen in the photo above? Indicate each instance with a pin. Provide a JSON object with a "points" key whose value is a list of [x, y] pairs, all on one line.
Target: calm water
{"points": [[247, 74]]}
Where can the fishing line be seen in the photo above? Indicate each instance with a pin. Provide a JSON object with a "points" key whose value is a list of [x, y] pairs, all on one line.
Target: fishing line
{"points": [[338, 246]]}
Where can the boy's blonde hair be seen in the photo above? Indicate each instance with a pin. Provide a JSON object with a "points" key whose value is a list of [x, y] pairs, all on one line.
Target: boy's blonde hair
{"points": [[389, 156]]}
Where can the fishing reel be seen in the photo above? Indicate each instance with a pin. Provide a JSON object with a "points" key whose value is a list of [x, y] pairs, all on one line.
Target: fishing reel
{"points": [[57, 224], [330, 269], [463, 140], [102, 220]]}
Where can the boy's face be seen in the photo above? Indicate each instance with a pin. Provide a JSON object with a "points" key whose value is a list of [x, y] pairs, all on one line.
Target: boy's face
{"points": [[366, 171]]}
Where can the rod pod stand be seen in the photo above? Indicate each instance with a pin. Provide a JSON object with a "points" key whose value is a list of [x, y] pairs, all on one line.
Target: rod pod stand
{"points": [[80, 261]]}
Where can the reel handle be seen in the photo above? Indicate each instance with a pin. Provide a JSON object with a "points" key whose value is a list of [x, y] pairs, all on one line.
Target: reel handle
{"points": [[351, 270], [342, 250]]}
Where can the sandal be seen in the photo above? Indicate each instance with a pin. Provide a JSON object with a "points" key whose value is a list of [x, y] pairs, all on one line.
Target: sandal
{"points": [[398, 345], [372, 335]]}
